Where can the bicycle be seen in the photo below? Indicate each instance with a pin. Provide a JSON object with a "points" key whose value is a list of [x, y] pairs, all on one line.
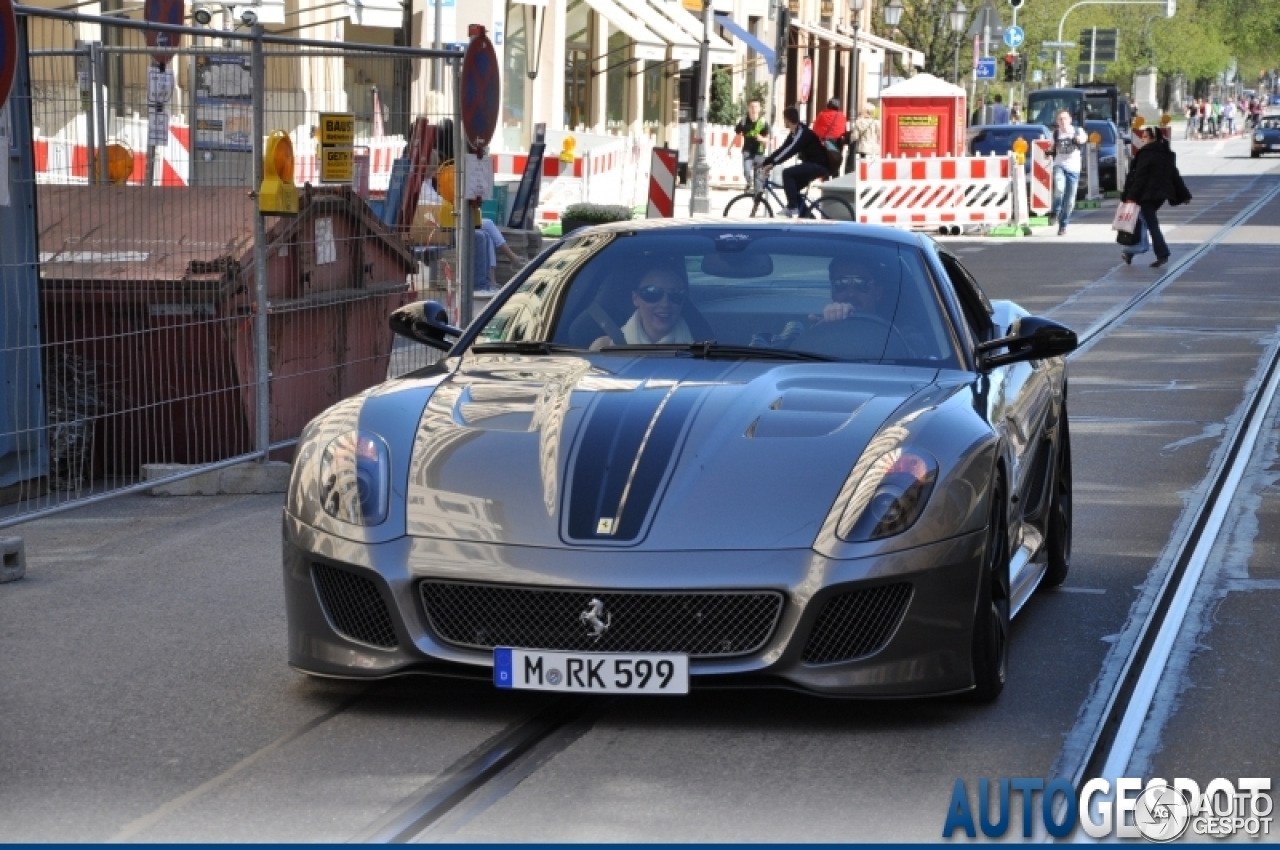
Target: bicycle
{"points": [[759, 203]]}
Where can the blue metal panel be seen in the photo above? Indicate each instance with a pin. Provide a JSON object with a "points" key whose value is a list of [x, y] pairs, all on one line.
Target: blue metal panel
{"points": [[23, 449], [750, 40]]}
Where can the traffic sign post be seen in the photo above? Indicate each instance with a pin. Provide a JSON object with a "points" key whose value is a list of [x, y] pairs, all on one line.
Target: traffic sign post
{"points": [[1014, 36], [481, 90], [986, 69]]}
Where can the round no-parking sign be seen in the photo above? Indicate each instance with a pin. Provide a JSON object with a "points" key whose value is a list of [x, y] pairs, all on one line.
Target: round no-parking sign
{"points": [[481, 92]]}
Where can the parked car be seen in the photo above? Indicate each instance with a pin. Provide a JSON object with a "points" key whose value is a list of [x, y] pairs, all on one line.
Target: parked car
{"points": [[1266, 136], [846, 501], [998, 139], [1107, 149]]}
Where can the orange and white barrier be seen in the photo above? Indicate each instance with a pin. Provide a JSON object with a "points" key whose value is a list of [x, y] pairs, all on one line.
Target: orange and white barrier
{"points": [[383, 153], [61, 161], [930, 192], [1041, 177]]}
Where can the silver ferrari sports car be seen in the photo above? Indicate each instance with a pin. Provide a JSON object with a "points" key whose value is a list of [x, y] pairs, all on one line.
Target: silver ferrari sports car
{"points": [[673, 455]]}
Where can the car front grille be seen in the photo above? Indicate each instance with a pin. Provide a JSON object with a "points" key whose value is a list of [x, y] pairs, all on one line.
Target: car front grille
{"points": [[354, 606], [702, 624], [856, 624]]}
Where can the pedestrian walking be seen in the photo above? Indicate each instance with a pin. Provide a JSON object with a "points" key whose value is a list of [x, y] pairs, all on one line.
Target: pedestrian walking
{"points": [[864, 138], [1229, 117], [1192, 115], [1068, 141], [832, 127], [1015, 113], [1152, 180], [802, 143], [999, 112], [752, 132], [979, 113]]}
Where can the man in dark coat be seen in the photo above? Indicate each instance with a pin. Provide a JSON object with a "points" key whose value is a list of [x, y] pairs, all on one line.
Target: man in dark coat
{"points": [[804, 145], [1150, 184]]}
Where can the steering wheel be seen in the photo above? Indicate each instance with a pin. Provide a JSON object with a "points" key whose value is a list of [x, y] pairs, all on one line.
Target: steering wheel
{"points": [[836, 338]]}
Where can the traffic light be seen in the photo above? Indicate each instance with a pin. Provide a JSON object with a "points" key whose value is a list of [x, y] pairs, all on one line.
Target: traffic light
{"points": [[1017, 4], [1010, 62], [1019, 69]]}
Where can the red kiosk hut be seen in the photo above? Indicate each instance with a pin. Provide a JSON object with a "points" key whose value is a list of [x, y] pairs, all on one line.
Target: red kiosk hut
{"points": [[922, 116]]}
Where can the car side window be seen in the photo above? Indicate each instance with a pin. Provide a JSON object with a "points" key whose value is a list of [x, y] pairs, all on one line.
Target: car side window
{"points": [[973, 301]]}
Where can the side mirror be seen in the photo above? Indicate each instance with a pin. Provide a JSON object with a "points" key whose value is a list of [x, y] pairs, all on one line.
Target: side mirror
{"points": [[1033, 338], [426, 322]]}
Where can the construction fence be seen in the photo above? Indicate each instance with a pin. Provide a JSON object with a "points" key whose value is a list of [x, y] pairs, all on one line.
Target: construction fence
{"points": [[153, 324]]}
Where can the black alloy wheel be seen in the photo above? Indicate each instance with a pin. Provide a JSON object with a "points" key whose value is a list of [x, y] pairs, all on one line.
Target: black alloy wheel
{"points": [[991, 620], [1058, 544]]}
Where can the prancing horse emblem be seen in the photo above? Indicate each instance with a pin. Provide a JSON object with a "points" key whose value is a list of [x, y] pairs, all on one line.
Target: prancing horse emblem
{"points": [[597, 618]]}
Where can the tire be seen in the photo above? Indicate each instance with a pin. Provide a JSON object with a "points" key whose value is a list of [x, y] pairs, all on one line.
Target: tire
{"points": [[836, 209], [1058, 535], [991, 619], [748, 205], [1254, 154]]}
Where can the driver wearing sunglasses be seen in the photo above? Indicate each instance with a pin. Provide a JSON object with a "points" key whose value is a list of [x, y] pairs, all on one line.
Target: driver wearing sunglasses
{"points": [[659, 299], [854, 289]]}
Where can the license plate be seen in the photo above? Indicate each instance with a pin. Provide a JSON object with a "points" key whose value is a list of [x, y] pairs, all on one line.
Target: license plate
{"points": [[1273, 147], [590, 672]]}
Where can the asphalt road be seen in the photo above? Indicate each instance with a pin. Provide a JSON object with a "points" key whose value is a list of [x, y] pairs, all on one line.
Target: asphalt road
{"points": [[144, 693]]}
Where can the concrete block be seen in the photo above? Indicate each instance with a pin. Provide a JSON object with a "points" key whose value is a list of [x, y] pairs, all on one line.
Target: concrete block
{"points": [[254, 477], [13, 559], [204, 484]]}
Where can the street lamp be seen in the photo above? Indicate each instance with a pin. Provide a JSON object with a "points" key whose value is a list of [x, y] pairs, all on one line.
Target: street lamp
{"points": [[893, 13], [535, 24], [957, 14], [855, 108]]}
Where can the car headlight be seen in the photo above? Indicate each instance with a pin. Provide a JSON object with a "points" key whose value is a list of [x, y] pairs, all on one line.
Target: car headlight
{"points": [[890, 497], [1258, 137], [355, 478]]}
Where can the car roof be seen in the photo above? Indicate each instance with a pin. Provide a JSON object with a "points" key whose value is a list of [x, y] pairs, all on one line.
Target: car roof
{"points": [[712, 222], [1010, 127]]}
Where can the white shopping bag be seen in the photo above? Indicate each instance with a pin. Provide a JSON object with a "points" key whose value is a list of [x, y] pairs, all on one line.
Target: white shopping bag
{"points": [[1126, 217]]}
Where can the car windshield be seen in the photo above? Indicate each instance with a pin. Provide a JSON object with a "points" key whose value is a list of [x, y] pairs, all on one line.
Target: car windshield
{"points": [[752, 291], [1271, 123], [1044, 108]]}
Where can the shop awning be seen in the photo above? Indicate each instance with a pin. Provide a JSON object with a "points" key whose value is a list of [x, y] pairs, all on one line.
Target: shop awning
{"points": [[824, 34], [745, 36], [721, 51], [866, 40], [914, 57], [376, 13], [646, 45], [680, 44]]}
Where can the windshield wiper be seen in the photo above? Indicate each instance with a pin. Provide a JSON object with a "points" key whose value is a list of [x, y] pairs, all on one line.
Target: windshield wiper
{"points": [[710, 349], [528, 346]]}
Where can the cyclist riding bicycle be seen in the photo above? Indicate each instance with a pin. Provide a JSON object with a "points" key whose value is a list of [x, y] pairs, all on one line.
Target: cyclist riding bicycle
{"points": [[804, 144]]}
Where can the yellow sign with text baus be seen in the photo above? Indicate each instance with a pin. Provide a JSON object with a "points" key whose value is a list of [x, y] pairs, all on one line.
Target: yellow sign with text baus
{"points": [[337, 128]]}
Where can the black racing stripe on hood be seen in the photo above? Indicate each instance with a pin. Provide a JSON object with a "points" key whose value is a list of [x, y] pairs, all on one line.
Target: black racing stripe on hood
{"points": [[659, 453], [607, 449], [622, 461]]}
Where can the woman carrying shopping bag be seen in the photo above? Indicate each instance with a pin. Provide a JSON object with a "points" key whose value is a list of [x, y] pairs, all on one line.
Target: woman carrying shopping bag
{"points": [[1149, 184]]}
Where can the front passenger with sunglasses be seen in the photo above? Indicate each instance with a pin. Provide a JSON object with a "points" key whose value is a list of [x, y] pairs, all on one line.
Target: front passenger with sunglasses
{"points": [[659, 300]]}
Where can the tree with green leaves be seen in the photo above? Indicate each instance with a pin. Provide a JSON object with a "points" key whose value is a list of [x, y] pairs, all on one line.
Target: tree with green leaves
{"points": [[722, 109]]}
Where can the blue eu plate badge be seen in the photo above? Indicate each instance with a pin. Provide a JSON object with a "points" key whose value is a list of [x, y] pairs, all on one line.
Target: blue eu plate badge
{"points": [[502, 667]]}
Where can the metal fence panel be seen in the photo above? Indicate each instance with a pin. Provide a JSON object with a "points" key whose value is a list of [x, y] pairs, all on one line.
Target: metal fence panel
{"points": [[160, 320]]}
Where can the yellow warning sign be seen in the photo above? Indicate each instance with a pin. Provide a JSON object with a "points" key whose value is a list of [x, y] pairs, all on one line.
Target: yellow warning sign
{"points": [[337, 128], [336, 165]]}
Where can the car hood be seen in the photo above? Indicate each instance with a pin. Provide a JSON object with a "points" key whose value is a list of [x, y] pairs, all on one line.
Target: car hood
{"points": [[660, 452]]}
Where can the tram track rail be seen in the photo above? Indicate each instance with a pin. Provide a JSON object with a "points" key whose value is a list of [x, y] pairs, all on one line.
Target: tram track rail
{"points": [[1127, 703]]}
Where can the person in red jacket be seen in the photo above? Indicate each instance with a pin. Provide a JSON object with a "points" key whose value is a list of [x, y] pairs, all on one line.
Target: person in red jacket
{"points": [[831, 126]]}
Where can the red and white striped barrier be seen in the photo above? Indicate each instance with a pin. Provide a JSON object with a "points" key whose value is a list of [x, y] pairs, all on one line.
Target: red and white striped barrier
{"points": [[1041, 177], [383, 153], [929, 192], [61, 161], [662, 184]]}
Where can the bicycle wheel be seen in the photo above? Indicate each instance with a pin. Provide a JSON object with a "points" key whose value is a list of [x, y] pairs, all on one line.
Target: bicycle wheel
{"points": [[837, 209], [748, 205]]}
